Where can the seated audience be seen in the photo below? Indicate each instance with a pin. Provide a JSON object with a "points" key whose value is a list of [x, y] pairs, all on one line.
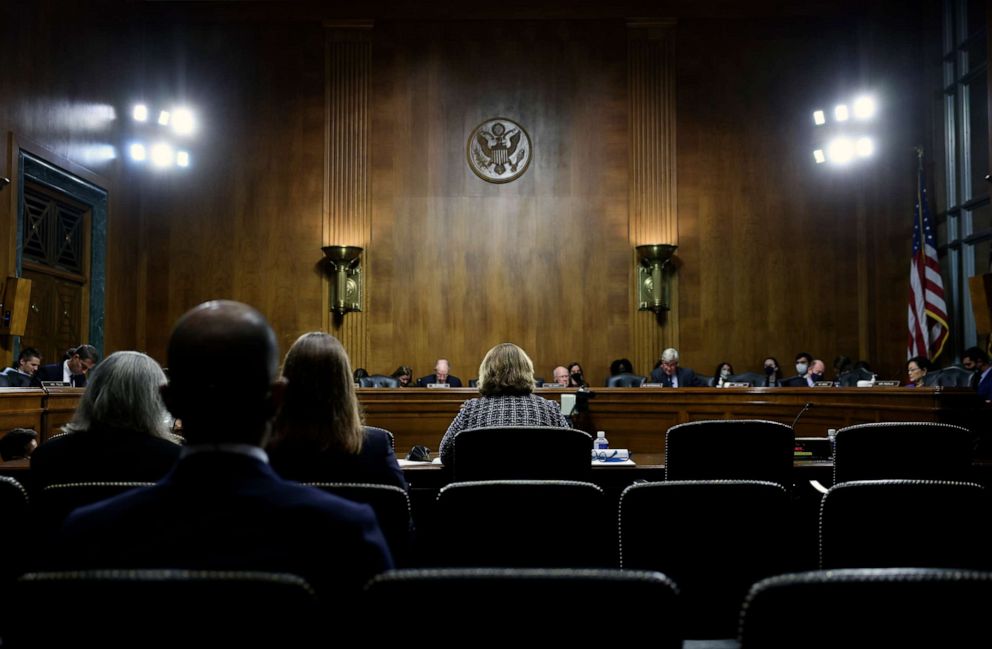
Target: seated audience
{"points": [[723, 372], [917, 368], [576, 378], [404, 374], [78, 362], [772, 372], [318, 433], [561, 376], [222, 507], [506, 381], [669, 374], [440, 375], [18, 444], [120, 430], [22, 373]]}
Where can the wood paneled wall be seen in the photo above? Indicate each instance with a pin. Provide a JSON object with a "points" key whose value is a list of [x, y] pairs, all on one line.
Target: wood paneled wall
{"points": [[775, 254]]}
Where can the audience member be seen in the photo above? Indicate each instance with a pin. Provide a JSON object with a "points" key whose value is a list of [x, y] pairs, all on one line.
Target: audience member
{"points": [[440, 375], [917, 368], [576, 377], [773, 372], [506, 379], [404, 374], [561, 375], [669, 374], [723, 372], [18, 444], [78, 362], [222, 507], [120, 430], [318, 433], [22, 373]]}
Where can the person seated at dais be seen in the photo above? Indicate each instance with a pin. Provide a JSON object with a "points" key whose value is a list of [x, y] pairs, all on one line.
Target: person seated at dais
{"points": [[669, 374], [441, 375], [404, 374]]}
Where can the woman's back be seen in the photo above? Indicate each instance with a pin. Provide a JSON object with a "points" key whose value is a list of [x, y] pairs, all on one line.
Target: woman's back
{"points": [[375, 463]]}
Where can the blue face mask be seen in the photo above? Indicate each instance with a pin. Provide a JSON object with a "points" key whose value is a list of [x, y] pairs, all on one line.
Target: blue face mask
{"points": [[801, 368], [724, 374]]}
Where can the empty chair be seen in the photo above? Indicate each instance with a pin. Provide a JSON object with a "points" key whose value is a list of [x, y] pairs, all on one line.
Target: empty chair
{"points": [[753, 378], [730, 449], [955, 377], [919, 450], [53, 504], [850, 379], [900, 523], [712, 538], [625, 380], [894, 607], [163, 608], [392, 507], [522, 452], [486, 607], [523, 524], [378, 381]]}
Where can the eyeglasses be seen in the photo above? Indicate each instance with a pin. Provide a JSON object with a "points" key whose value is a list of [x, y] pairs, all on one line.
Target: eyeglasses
{"points": [[912, 369]]}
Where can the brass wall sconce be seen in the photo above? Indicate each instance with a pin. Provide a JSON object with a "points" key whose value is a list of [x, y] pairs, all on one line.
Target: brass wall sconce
{"points": [[346, 285], [653, 275]]}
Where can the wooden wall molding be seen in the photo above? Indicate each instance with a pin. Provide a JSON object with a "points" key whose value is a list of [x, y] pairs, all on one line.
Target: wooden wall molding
{"points": [[653, 216], [347, 211]]}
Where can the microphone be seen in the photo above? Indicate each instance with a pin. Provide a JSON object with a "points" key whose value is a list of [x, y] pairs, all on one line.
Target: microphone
{"points": [[809, 404]]}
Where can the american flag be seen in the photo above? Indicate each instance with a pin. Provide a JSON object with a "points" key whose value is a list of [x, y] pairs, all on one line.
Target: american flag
{"points": [[927, 310]]}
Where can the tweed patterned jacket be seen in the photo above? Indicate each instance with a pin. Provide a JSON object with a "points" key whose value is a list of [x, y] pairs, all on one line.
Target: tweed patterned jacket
{"points": [[507, 410]]}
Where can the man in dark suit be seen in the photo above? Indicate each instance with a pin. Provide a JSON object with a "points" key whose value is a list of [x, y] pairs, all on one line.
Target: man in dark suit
{"points": [[976, 360], [21, 375], [78, 361], [222, 507], [440, 375], [670, 375]]}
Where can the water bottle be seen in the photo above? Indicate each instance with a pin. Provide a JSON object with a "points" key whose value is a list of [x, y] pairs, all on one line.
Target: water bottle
{"points": [[600, 443]]}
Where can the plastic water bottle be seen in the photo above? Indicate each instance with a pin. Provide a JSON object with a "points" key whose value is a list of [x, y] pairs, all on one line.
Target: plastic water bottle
{"points": [[600, 443]]}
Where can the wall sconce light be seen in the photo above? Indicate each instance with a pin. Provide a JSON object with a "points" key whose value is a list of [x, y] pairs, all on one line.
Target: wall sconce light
{"points": [[346, 288], [652, 278]]}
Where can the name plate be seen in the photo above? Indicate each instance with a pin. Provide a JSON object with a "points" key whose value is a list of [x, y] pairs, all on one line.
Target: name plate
{"points": [[887, 384], [736, 384], [823, 384], [56, 384], [652, 385], [438, 385]]}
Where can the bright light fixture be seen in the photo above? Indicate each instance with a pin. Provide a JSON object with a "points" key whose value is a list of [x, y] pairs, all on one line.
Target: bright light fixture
{"points": [[140, 113], [137, 151], [163, 118], [819, 118], [864, 146], [841, 150], [182, 158], [864, 107], [162, 155], [841, 113], [819, 157], [182, 121]]}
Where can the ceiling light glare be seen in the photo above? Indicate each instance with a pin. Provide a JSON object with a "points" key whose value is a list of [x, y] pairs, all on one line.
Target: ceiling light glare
{"points": [[841, 113], [182, 121], [819, 156], [182, 158], [864, 107], [841, 150], [137, 151], [140, 113], [163, 118], [864, 146], [819, 118], [162, 155]]}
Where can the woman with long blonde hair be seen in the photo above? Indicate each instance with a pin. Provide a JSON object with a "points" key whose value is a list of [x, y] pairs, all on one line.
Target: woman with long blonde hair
{"points": [[318, 433]]}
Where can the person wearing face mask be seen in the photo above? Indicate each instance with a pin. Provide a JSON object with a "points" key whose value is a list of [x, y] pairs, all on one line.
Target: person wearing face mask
{"points": [[723, 372], [816, 371], [772, 372], [800, 380]]}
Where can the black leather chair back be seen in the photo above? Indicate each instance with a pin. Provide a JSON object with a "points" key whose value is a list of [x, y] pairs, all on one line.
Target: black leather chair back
{"points": [[389, 434], [955, 377], [164, 608], [16, 522], [392, 507], [55, 502], [712, 538], [905, 523], [543, 608], [730, 449], [903, 450], [625, 380], [523, 524], [379, 381], [522, 452], [756, 380], [895, 607], [850, 379]]}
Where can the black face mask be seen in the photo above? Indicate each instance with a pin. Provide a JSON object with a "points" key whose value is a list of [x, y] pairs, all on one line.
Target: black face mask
{"points": [[816, 377], [769, 370]]}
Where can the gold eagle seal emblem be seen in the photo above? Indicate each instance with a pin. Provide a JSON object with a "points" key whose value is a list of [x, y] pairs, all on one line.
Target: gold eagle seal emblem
{"points": [[499, 150]]}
